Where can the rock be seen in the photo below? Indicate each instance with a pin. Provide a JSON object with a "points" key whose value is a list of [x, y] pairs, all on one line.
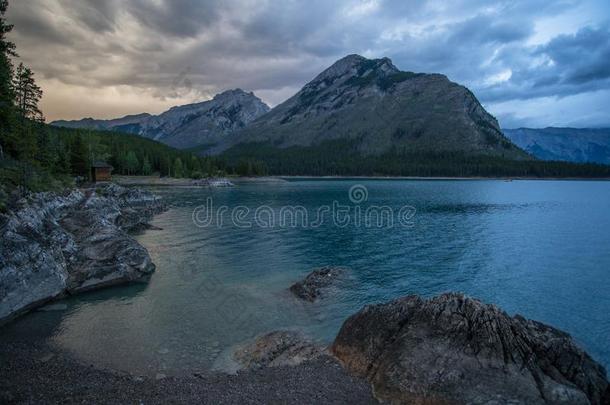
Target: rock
{"points": [[277, 349], [454, 349], [311, 287], [160, 376], [47, 358], [53, 245]]}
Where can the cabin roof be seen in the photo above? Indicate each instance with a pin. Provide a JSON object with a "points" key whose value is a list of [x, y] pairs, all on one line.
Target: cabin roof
{"points": [[101, 165]]}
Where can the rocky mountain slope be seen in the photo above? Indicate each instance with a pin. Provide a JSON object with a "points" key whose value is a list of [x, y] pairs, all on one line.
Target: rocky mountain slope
{"points": [[52, 245], [189, 125], [569, 144], [378, 108]]}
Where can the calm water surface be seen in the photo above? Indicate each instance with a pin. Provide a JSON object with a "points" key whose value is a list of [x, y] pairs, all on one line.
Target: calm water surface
{"points": [[538, 248]]}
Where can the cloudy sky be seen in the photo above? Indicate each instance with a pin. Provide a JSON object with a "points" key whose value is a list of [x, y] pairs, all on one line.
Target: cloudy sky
{"points": [[531, 62]]}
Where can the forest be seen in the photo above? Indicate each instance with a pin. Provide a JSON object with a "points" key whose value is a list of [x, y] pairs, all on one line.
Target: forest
{"points": [[341, 158]]}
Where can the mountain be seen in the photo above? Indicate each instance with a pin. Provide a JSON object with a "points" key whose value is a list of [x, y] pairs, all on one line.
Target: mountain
{"points": [[371, 107], [98, 125], [189, 125], [569, 144]]}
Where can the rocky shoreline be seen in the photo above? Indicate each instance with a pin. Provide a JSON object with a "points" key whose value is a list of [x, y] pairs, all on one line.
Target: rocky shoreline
{"points": [[448, 349], [36, 373], [55, 245]]}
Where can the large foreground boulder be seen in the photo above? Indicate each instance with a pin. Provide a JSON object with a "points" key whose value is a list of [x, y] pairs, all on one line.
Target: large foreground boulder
{"points": [[52, 245], [454, 349]]}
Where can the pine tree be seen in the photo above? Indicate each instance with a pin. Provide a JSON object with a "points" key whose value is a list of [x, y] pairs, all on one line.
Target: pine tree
{"points": [[27, 94], [63, 164], [132, 163], [146, 167], [46, 156], [178, 168], [8, 138], [78, 157]]}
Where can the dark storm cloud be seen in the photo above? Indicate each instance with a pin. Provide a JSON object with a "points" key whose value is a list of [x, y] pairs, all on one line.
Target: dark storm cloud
{"points": [[581, 58], [181, 18], [276, 46], [98, 16], [566, 65]]}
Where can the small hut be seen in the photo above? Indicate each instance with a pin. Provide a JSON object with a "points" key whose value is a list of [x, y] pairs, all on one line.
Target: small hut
{"points": [[101, 171]]}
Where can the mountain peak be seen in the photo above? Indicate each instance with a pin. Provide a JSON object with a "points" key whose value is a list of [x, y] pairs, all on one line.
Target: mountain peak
{"points": [[357, 65], [375, 108], [187, 125], [232, 93]]}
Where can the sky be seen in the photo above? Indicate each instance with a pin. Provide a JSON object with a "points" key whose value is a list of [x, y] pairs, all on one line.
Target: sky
{"points": [[532, 63]]}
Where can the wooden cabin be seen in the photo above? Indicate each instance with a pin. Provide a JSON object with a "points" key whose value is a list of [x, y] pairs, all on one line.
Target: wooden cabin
{"points": [[101, 171]]}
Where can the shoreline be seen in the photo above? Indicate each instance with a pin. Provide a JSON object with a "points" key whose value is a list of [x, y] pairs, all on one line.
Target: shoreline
{"points": [[36, 372], [151, 181], [441, 178]]}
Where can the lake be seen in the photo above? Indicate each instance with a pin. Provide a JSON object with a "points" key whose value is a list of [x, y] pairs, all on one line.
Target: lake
{"points": [[538, 248]]}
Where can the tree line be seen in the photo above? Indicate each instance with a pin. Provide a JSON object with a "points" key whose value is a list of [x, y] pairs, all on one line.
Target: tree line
{"points": [[341, 158]]}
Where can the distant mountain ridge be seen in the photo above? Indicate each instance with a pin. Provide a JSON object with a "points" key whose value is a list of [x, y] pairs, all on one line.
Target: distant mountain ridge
{"points": [[578, 145], [188, 125], [91, 123], [376, 108]]}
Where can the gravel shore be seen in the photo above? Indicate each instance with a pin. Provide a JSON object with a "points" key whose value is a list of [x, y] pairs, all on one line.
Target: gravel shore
{"points": [[36, 373]]}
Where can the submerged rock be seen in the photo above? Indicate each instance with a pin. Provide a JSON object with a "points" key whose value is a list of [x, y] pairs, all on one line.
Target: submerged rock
{"points": [[51, 245], [277, 349], [454, 349], [311, 287]]}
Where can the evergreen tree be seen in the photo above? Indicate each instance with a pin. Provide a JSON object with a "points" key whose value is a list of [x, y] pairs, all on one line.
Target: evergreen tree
{"points": [[146, 167], [79, 163], [47, 154], [27, 94], [63, 163], [178, 168], [8, 138], [132, 163]]}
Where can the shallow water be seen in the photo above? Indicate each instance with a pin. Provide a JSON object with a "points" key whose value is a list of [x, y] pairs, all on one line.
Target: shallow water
{"points": [[538, 248]]}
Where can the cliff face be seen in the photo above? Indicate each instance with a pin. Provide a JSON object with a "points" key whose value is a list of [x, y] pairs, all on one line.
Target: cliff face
{"points": [[53, 245]]}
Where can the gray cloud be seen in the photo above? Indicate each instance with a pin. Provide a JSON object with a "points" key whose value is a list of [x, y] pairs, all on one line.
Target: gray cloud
{"points": [[142, 48]]}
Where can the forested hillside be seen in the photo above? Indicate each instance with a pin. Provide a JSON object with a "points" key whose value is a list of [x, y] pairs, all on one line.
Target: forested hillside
{"points": [[342, 158]]}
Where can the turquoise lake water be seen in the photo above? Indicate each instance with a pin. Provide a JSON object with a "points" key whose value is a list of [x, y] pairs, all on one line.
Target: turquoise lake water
{"points": [[538, 248]]}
